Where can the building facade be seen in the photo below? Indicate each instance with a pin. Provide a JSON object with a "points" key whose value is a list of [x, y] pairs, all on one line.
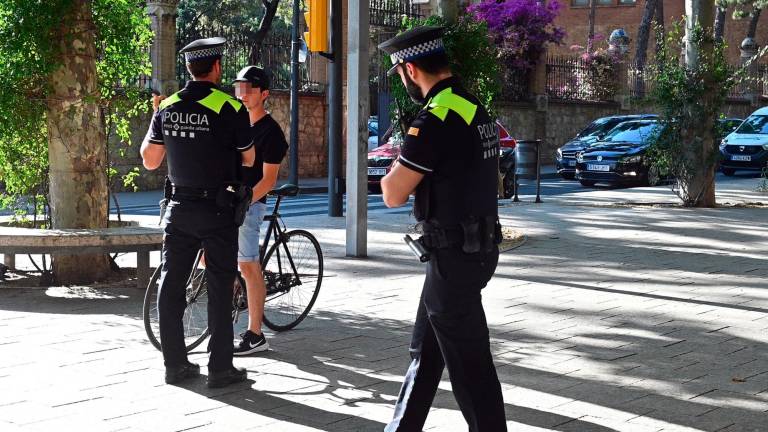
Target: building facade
{"points": [[627, 14]]}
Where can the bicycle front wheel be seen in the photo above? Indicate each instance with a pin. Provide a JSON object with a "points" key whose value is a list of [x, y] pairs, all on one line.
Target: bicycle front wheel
{"points": [[195, 314], [293, 272]]}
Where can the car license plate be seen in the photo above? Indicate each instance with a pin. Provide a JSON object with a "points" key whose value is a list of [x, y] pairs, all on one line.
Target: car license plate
{"points": [[595, 167], [741, 158], [571, 163], [377, 171]]}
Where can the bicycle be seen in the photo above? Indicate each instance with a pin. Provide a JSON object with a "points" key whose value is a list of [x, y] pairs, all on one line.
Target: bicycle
{"points": [[293, 273]]}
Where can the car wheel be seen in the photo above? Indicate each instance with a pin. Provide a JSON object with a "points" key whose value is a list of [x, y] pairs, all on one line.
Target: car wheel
{"points": [[728, 171], [568, 176], [587, 183], [374, 189], [653, 177]]}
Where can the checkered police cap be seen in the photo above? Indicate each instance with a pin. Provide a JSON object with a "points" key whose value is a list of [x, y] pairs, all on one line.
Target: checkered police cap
{"points": [[412, 44], [416, 51], [203, 49]]}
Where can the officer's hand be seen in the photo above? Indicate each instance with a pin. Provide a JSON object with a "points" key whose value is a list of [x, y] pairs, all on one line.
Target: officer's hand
{"points": [[156, 99]]}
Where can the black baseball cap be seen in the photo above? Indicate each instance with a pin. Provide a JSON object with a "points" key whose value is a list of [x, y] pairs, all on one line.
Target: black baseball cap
{"points": [[255, 75]]}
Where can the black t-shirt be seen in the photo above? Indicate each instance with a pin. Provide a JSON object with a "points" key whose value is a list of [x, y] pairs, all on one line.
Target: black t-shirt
{"points": [[269, 141], [202, 129], [455, 144]]}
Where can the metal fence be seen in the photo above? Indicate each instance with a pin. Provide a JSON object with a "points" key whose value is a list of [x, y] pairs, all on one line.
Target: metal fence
{"points": [[516, 85], [571, 78], [390, 13], [275, 56]]}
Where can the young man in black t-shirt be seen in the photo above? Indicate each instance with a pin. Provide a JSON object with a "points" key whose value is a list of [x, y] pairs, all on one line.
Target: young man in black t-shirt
{"points": [[252, 88]]}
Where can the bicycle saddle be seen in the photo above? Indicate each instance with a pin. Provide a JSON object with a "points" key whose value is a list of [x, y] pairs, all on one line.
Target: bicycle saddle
{"points": [[285, 190]]}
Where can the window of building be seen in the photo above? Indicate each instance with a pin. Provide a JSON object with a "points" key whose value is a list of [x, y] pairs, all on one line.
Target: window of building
{"points": [[627, 2], [585, 3]]}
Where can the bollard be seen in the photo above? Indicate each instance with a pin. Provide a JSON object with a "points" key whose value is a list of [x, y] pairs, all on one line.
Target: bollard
{"points": [[528, 164]]}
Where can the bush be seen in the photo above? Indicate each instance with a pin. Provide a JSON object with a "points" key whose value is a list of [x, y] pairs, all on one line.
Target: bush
{"points": [[473, 60]]}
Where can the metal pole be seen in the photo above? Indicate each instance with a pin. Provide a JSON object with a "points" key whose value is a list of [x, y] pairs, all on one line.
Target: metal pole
{"points": [[335, 114], [358, 35], [293, 176], [538, 171], [515, 199]]}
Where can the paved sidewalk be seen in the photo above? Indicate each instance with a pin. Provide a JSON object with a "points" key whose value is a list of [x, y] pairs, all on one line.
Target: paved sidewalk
{"points": [[605, 319]]}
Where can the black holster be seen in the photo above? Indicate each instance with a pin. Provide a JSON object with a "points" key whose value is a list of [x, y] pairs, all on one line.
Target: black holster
{"points": [[236, 196], [480, 234]]}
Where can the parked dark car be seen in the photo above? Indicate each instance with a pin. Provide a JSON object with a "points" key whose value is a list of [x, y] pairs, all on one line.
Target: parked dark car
{"points": [[380, 161], [565, 160], [746, 148], [619, 158]]}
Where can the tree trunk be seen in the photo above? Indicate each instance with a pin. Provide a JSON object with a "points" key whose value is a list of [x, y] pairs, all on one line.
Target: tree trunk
{"points": [[642, 45], [448, 9], [699, 140], [660, 34], [720, 24], [270, 7], [754, 17], [591, 34], [77, 144]]}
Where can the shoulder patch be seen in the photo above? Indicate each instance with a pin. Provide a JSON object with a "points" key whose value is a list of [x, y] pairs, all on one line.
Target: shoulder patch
{"points": [[216, 100], [170, 100], [413, 131]]}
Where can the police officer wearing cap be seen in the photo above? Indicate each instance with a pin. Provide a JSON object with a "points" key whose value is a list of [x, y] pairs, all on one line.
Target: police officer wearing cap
{"points": [[204, 132], [449, 162]]}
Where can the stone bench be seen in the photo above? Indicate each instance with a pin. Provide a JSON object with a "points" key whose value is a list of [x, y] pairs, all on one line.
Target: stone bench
{"points": [[140, 240]]}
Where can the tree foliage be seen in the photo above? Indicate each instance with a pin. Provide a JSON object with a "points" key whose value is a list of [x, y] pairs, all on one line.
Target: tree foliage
{"points": [[521, 29], [690, 100], [474, 60], [30, 55], [242, 16]]}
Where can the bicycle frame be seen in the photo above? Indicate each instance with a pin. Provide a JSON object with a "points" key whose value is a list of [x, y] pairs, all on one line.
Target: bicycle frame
{"points": [[274, 229]]}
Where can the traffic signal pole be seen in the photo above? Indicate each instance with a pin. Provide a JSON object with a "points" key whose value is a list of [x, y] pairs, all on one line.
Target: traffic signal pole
{"points": [[293, 176], [358, 59], [335, 114]]}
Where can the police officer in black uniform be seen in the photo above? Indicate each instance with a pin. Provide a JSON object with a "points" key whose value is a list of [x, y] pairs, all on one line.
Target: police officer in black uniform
{"points": [[449, 161], [205, 134]]}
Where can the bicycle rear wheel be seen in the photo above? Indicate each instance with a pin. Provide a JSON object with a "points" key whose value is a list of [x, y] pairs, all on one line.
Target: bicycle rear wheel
{"points": [[293, 272], [195, 315]]}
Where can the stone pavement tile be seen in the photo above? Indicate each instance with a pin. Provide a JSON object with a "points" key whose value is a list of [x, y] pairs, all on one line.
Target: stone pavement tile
{"points": [[672, 421], [534, 399], [663, 404], [745, 427], [597, 394], [747, 414], [26, 413]]}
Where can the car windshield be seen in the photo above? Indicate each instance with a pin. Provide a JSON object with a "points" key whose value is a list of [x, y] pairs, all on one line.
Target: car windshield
{"points": [[632, 132], [756, 124], [598, 126]]}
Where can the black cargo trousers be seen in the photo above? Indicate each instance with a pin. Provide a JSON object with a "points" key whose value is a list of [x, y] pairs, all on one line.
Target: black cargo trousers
{"points": [[189, 226], [451, 330]]}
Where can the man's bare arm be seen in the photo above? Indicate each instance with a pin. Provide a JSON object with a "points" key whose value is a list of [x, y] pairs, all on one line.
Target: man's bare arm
{"points": [[151, 154], [267, 182], [399, 184], [248, 157]]}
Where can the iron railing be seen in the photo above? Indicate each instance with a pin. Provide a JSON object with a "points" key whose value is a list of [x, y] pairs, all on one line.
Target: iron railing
{"points": [[390, 13], [572, 78], [275, 56], [516, 85]]}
